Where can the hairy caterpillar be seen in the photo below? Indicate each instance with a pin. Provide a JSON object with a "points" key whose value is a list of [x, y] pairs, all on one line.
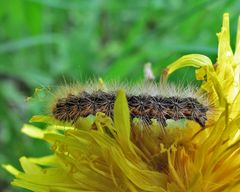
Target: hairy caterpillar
{"points": [[152, 102]]}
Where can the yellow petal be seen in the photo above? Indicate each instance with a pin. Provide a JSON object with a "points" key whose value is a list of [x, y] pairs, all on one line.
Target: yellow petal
{"points": [[29, 167], [225, 55], [122, 117], [192, 60], [11, 169], [145, 179], [32, 131]]}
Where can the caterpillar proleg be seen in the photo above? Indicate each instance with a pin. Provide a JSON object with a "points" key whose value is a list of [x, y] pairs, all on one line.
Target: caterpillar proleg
{"points": [[152, 102]]}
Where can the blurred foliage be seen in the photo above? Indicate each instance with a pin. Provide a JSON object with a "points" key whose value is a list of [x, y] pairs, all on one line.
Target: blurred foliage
{"points": [[45, 42]]}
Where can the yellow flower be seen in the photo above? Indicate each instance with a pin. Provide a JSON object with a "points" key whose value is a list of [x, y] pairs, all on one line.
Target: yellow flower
{"points": [[118, 156]]}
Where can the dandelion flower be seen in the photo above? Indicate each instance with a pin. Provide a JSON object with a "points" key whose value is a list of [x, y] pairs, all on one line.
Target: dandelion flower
{"points": [[120, 156]]}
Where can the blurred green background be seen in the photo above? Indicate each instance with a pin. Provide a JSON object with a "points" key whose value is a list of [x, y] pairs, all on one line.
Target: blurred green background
{"points": [[44, 42]]}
